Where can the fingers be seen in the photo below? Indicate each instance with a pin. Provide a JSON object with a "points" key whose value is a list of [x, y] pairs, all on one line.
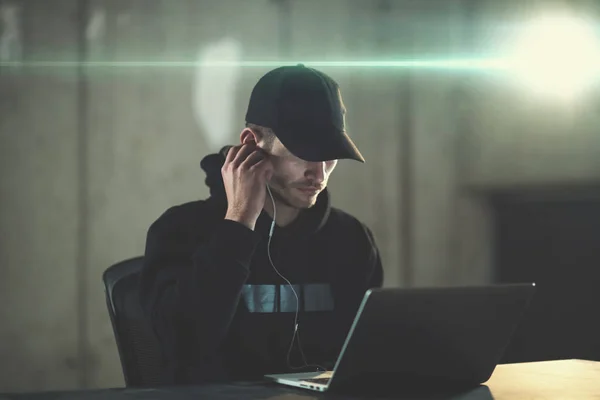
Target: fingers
{"points": [[249, 157], [231, 154], [243, 153], [235, 150], [263, 167], [256, 156]]}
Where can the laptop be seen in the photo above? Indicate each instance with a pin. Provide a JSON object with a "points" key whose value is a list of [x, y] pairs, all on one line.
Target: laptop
{"points": [[423, 337]]}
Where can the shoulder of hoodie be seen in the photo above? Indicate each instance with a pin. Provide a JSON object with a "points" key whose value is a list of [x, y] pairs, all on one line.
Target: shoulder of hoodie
{"points": [[187, 217], [353, 229]]}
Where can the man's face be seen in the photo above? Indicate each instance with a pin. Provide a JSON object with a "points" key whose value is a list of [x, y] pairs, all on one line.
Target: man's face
{"points": [[296, 182]]}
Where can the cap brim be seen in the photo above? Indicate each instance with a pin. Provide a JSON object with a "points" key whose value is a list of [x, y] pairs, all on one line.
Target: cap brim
{"points": [[320, 147]]}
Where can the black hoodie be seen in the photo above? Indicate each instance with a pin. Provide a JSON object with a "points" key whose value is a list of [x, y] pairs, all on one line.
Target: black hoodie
{"points": [[220, 310]]}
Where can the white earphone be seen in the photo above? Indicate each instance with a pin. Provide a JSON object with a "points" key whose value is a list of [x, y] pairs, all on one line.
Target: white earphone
{"points": [[296, 333]]}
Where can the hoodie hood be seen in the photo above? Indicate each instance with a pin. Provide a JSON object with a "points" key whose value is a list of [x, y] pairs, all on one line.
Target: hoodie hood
{"points": [[211, 164], [309, 221]]}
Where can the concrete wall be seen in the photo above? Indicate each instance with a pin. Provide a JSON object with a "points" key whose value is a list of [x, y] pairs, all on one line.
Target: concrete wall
{"points": [[90, 158], [39, 209]]}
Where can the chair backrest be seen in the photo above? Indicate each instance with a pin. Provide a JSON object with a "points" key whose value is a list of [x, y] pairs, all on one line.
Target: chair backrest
{"points": [[139, 350]]}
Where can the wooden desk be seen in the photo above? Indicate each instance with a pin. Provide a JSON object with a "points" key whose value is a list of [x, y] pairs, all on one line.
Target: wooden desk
{"points": [[552, 380], [565, 379]]}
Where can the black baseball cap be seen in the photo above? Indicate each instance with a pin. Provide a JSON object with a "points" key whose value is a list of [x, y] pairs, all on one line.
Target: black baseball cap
{"points": [[304, 108]]}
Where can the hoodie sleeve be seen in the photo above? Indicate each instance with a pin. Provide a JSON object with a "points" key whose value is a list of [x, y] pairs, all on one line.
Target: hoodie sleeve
{"points": [[190, 291]]}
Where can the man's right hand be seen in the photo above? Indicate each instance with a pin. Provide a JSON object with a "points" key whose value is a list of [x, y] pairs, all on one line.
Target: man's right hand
{"points": [[246, 172]]}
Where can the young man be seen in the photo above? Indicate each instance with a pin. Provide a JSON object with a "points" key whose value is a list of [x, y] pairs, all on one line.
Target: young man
{"points": [[232, 296]]}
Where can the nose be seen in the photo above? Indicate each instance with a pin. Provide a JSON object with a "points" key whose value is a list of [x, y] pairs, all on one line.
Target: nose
{"points": [[317, 172]]}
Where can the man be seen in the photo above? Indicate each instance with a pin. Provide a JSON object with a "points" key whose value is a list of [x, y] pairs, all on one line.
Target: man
{"points": [[232, 296]]}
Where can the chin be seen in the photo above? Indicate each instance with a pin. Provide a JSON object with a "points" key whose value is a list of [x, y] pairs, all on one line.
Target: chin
{"points": [[303, 203], [298, 201]]}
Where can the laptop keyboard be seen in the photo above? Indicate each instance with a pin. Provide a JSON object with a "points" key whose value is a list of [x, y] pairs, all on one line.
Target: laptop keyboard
{"points": [[323, 381]]}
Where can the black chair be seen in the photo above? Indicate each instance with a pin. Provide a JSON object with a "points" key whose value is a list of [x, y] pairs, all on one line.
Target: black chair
{"points": [[139, 350]]}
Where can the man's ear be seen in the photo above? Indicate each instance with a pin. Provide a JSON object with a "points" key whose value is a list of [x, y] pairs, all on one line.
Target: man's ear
{"points": [[248, 135]]}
